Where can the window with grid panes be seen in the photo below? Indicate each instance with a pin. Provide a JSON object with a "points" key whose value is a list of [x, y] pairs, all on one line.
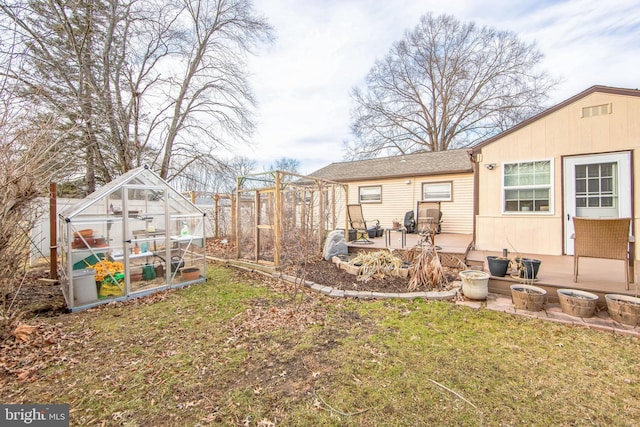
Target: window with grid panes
{"points": [[527, 186], [595, 185]]}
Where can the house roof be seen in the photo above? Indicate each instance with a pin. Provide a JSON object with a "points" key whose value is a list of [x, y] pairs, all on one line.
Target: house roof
{"points": [[417, 164], [601, 89]]}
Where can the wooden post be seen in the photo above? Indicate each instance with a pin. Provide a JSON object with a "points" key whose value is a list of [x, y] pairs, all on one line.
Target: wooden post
{"points": [[333, 206], [311, 208], [346, 213], [233, 232], [53, 231], [277, 221], [303, 212], [321, 222], [237, 217], [256, 227]]}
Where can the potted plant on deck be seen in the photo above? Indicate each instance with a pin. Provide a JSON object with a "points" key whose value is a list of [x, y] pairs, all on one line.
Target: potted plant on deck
{"points": [[526, 268], [498, 265], [525, 295]]}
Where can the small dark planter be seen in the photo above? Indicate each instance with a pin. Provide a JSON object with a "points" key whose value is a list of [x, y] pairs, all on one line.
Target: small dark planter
{"points": [[176, 263], [530, 268], [371, 232], [498, 266]]}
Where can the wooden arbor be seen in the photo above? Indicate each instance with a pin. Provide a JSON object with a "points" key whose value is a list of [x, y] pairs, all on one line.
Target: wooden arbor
{"points": [[281, 216]]}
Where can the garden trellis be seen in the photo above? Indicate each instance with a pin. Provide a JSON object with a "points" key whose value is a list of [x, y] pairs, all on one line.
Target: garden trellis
{"points": [[282, 216]]}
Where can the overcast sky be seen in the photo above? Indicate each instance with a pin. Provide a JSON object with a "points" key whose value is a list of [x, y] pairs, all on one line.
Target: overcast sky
{"points": [[324, 48]]}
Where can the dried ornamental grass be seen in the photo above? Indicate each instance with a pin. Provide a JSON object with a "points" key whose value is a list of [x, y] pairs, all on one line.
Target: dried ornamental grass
{"points": [[426, 271], [376, 265]]}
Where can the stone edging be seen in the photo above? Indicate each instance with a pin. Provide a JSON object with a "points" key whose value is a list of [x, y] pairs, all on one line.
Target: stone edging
{"points": [[340, 293]]}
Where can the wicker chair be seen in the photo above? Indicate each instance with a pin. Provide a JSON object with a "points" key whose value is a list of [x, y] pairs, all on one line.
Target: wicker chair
{"points": [[429, 217], [601, 238]]}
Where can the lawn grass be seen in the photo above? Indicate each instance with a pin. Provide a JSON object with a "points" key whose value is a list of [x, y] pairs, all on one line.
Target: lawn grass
{"points": [[237, 351]]}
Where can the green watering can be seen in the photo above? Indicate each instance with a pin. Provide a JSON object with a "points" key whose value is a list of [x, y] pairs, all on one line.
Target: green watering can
{"points": [[148, 272]]}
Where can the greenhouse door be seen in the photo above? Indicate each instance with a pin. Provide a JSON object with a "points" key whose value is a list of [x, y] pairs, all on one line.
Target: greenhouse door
{"points": [[144, 230], [596, 186]]}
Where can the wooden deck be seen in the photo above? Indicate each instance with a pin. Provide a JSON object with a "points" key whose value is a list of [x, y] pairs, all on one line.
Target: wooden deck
{"points": [[450, 243], [598, 276]]}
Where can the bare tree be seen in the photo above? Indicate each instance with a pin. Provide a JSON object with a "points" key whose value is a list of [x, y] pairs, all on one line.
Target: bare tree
{"points": [[218, 177], [446, 85], [211, 99], [139, 81], [25, 151], [285, 164]]}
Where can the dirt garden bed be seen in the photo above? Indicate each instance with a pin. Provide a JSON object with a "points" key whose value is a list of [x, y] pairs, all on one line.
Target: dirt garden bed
{"points": [[327, 273]]}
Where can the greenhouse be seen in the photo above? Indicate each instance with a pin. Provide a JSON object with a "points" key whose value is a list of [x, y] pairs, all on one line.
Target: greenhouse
{"points": [[134, 236]]}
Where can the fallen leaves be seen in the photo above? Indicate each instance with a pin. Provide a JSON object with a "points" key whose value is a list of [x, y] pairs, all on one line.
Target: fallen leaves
{"points": [[33, 347], [22, 332]]}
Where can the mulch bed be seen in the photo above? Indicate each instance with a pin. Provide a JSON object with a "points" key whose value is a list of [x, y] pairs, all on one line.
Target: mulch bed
{"points": [[326, 273]]}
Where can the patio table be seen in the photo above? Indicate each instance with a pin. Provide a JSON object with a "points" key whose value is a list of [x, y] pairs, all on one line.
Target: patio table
{"points": [[387, 234]]}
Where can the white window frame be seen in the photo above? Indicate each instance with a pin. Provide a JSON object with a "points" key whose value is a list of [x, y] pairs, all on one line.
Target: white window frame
{"points": [[373, 189], [549, 186], [425, 198]]}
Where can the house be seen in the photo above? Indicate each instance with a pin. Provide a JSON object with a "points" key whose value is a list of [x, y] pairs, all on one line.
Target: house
{"points": [[389, 187], [578, 158]]}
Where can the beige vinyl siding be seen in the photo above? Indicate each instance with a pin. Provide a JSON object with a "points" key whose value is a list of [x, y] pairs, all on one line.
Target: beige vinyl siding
{"points": [[402, 195], [561, 133], [457, 216]]}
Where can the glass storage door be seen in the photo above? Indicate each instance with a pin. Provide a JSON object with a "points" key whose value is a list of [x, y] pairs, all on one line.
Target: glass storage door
{"points": [[144, 219], [187, 247]]}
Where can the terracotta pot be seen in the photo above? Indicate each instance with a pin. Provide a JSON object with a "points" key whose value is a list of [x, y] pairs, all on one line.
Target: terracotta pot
{"points": [[84, 233], [99, 242], [190, 273]]}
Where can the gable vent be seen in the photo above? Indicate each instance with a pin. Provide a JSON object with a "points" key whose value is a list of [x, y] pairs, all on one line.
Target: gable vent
{"points": [[596, 110]]}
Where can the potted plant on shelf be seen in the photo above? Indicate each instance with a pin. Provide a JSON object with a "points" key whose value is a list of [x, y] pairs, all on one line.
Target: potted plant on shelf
{"points": [[396, 224]]}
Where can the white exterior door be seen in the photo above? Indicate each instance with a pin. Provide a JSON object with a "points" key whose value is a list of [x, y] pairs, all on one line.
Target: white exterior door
{"points": [[596, 186]]}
